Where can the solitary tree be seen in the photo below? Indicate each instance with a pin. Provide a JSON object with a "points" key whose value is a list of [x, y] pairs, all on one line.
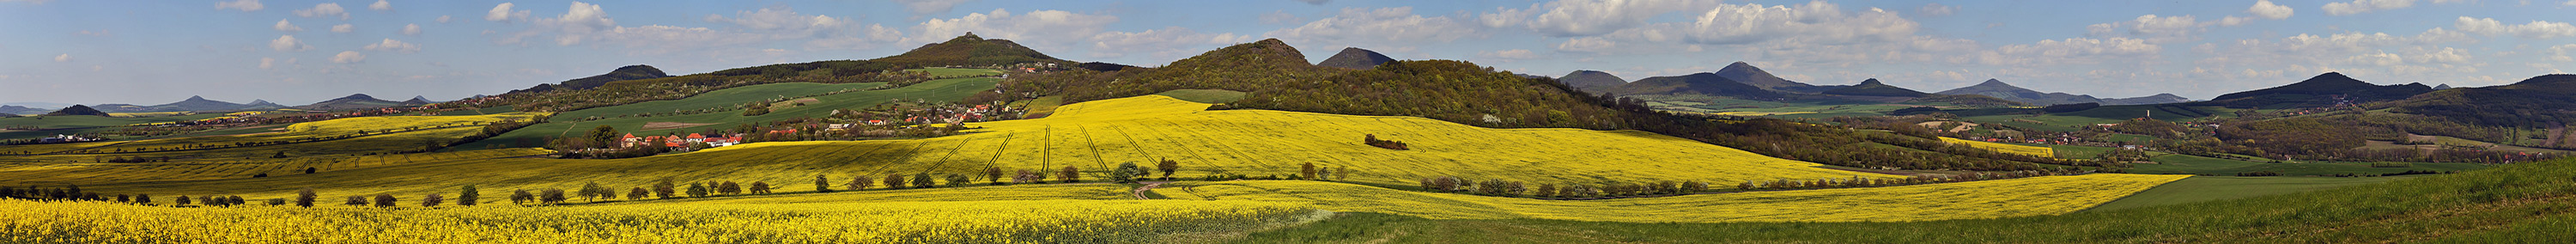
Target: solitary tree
{"points": [[994, 174], [957, 180], [729, 188], [861, 182], [922, 180], [1025, 177], [1341, 172], [637, 194], [276, 201], [237, 200], [1126, 172], [604, 136], [1069, 174], [431, 200], [304, 198], [146, 199], [384, 200], [759, 187], [822, 184], [469, 196], [1307, 170], [183, 201], [894, 181], [1168, 166], [591, 192]]}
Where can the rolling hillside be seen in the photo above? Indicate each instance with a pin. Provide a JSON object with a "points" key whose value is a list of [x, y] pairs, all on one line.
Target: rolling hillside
{"points": [[354, 101], [1741, 72], [719, 109]]}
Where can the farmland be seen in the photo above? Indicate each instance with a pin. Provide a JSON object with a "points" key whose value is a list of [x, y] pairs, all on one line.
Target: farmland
{"points": [[2005, 148], [1028, 221], [2188, 164], [2048, 195], [578, 121], [2213, 188], [51, 125]]}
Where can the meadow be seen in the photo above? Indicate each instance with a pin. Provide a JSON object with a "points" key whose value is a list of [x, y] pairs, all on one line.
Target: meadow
{"points": [[2047, 195], [2005, 148], [2189, 164], [2214, 188]]}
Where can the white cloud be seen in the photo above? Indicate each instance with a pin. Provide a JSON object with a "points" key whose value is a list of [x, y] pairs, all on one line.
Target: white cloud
{"points": [[782, 21], [582, 22], [502, 13], [411, 29], [442, 19], [381, 5], [1595, 17], [2563, 53], [348, 57], [63, 58], [288, 43], [1169, 42], [343, 28], [1936, 9], [282, 25], [2154, 28], [2568, 3], [266, 63], [921, 8], [243, 5], [325, 9], [2535, 29], [2365, 6], [1043, 29], [1508, 55], [1385, 28], [1816, 21], [391, 45], [2267, 10]]}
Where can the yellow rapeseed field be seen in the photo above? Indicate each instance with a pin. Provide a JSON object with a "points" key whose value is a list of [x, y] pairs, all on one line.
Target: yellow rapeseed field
{"points": [[56, 173], [2005, 148], [2047, 195], [1039, 221]]}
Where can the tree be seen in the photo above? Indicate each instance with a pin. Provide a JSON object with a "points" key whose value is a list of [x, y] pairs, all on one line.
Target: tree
{"points": [[1069, 174], [522, 197], [664, 189], [697, 189], [592, 192], [958, 180], [183, 201], [822, 184], [894, 181], [551, 196], [759, 187], [356, 201], [1168, 166], [1307, 170], [637, 194], [729, 188], [384, 200], [860, 182], [469, 196], [304, 198], [1341, 173], [276, 201], [431, 200], [1126, 172], [994, 174], [604, 136], [237, 200], [209, 201], [146, 199], [922, 180]]}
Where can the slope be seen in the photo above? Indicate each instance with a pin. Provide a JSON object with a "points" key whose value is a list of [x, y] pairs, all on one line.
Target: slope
{"points": [[630, 72], [2036, 196], [1872, 87], [1754, 76], [1589, 81], [1998, 89], [2327, 89], [1700, 84], [2538, 102], [720, 109], [1355, 58]]}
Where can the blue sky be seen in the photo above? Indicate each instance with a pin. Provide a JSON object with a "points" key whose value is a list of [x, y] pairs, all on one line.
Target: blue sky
{"points": [[297, 52]]}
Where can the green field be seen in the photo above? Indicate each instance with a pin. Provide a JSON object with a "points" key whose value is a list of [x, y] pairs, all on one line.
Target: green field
{"points": [[51, 125], [2214, 188], [569, 124], [2073, 151], [2063, 122], [2188, 164], [956, 72]]}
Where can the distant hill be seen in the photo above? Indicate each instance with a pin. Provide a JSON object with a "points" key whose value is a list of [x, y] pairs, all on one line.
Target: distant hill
{"points": [[1970, 100], [2323, 90], [1355, 58], [77, 109], [354, 101], [15, 109], [1593, 82], [2159, 98], [2540, 102], [1745, 73], [630, 72], [970, 50], [256, 104], [1103, 67], [1872, 87], [193, 103], [417, 101], [1700, 83], [1998, 89]]}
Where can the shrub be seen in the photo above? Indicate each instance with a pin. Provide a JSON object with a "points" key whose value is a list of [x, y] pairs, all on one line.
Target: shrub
{"points": [[894, 181], [822, 184], [1126, 173], [922, 180], [469, 196], [124, 198], [1069, 174], [759, 187], [697, 189], [431, 200], [304, 198], [1545, 190], [729, 188], [356, 201], [861, 182], [1372, 140], [638, 194], [209, 201], [551, 196], [1168, 166], [237, 200], [2391, 165], [384, 200]]}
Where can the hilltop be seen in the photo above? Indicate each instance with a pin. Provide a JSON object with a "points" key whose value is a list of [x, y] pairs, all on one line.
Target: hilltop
{"points": [[2538, 102], [630, 72], [77, 109], [2326, 89], [1872, 87], [1741, 72], [1700, 84], [353, 101], [1355, 58], [1594, 82], [970, 50]]}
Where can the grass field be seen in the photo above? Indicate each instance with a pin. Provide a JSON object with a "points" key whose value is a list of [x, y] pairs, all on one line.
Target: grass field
{"points": [[2214, 188], [568, 124], [2005, 148], [2527, 203], [956, 72], [2188, 164], [1968, 200]]}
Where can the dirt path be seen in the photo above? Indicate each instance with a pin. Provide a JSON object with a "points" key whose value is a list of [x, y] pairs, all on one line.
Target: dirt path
{"points": [[1149, 186]]}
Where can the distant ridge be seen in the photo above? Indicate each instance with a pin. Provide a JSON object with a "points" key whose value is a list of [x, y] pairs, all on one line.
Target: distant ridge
{"points": [[629, 72], [353, 101], [1745, 73], [1872, 87], [1700, 83], [1594, 82], [15, 109], [76, 110], [2539, 102], [2159, 98], [1355, 58], [417, 101], [1999, 89], [2322, 90], [193, 103]]}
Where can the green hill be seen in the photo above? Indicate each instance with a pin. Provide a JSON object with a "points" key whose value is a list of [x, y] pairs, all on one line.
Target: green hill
{"points": [[1745, 73], [353, 101], [2539, 102], [2327, 89], [1355, 58], [77, 110], [969, 50], [1594, 82], [1872, 87], [630, 72]]}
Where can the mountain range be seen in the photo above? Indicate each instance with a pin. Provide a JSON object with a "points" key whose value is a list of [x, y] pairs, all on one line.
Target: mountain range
{"points": [[1355, 58], [1998, 89], [1745, 73]]}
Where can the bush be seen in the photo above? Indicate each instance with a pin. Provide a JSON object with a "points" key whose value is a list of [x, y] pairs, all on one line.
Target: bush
{"points": [[958, 180], [522, 197], [697, 189], [664, 189], [276, 201], [469, 196], [1025, 177], [303, 198], [384, 200], [2259, 173], [183, 201], [1307, 170], [146, 199], [2391, 165], [1372, 140], [431, 200], [353, 201]]}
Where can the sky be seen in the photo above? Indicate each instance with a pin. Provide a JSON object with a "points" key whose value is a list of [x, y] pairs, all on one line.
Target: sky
{"points": [[298, 52]]}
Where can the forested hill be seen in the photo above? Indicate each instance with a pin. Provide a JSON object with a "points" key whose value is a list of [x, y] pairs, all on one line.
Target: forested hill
{"points": [[2540, 102], [2323, 90], [966, 50]]}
